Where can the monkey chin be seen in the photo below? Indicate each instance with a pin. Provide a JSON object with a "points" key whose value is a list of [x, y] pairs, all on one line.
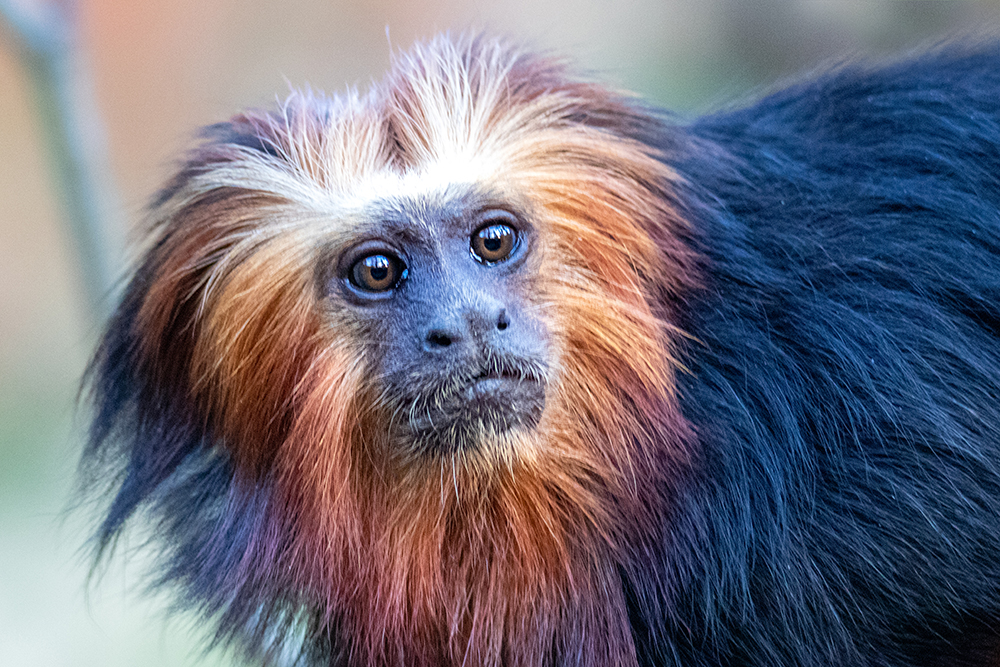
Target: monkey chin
{"points": [[473, 410]]}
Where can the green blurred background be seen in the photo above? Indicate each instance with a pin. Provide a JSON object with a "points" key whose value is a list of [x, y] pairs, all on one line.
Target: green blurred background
{"points": [[161, 68]]}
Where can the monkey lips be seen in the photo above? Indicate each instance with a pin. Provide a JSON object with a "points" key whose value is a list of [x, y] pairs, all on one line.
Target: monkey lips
{"points": [[461, 409]]}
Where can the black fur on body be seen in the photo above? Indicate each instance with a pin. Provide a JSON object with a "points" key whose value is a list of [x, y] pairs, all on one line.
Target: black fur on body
{"points": [[844, 378]]}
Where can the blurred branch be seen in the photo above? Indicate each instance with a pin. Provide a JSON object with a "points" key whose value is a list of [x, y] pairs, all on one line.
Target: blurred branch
{"points": [[45, 37]]}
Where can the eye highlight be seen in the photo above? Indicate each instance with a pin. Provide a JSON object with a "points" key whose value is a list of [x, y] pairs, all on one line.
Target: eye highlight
{"points": [[377, 272], [494, 242]]}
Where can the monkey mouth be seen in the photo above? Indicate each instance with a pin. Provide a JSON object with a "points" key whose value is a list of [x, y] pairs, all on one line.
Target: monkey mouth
{"points": [[464, 409], [485, 384]]}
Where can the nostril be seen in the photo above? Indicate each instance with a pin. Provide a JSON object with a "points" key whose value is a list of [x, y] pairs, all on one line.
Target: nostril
{"points": [[503, 321], [438, 339]]}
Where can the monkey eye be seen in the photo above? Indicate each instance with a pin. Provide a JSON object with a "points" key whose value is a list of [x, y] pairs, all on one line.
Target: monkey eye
{"points": [[494, 241], [377, 272]]}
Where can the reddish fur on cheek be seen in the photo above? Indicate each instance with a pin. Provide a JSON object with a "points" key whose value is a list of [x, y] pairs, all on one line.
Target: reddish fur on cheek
{"points": [[194, 239], [260, 334], [230, 320], [318, 470]]}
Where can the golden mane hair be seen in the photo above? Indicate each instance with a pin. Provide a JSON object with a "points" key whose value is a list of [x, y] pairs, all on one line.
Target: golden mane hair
{"points": [[492, 555]]}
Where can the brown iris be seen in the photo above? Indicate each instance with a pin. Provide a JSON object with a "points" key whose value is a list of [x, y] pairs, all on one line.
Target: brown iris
{"points": [[377, 272], [494, 243]]}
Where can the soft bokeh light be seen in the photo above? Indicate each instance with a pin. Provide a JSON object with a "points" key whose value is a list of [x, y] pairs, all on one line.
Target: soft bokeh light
{"points": [[161, 68]]}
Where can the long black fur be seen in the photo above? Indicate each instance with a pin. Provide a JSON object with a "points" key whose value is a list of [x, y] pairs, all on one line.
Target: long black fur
{"points": [[844, 379]]}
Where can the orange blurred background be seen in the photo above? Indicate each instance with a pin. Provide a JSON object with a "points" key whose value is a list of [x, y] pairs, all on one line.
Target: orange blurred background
{"points": [[162, 68]]}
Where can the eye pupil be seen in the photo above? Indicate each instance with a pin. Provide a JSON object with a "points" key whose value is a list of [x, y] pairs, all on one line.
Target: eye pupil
{"points": [[494, 243], [378, 268]]}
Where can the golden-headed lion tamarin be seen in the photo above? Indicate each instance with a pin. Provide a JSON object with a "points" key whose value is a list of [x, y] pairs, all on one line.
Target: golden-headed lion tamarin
{"points": [[496, 366]]}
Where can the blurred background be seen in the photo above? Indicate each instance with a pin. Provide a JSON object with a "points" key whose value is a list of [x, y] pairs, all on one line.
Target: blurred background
{"points": [[155, 70]]}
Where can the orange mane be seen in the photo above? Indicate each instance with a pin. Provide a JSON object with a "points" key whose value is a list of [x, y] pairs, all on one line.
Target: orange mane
{"points": [[497, 555]]}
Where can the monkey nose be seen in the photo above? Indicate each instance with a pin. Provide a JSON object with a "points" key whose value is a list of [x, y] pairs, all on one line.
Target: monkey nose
{"points": [[473, 325], [441, 338]]}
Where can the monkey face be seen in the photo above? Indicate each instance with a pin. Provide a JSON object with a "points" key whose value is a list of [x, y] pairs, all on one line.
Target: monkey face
{"points": [[440, 288]]}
